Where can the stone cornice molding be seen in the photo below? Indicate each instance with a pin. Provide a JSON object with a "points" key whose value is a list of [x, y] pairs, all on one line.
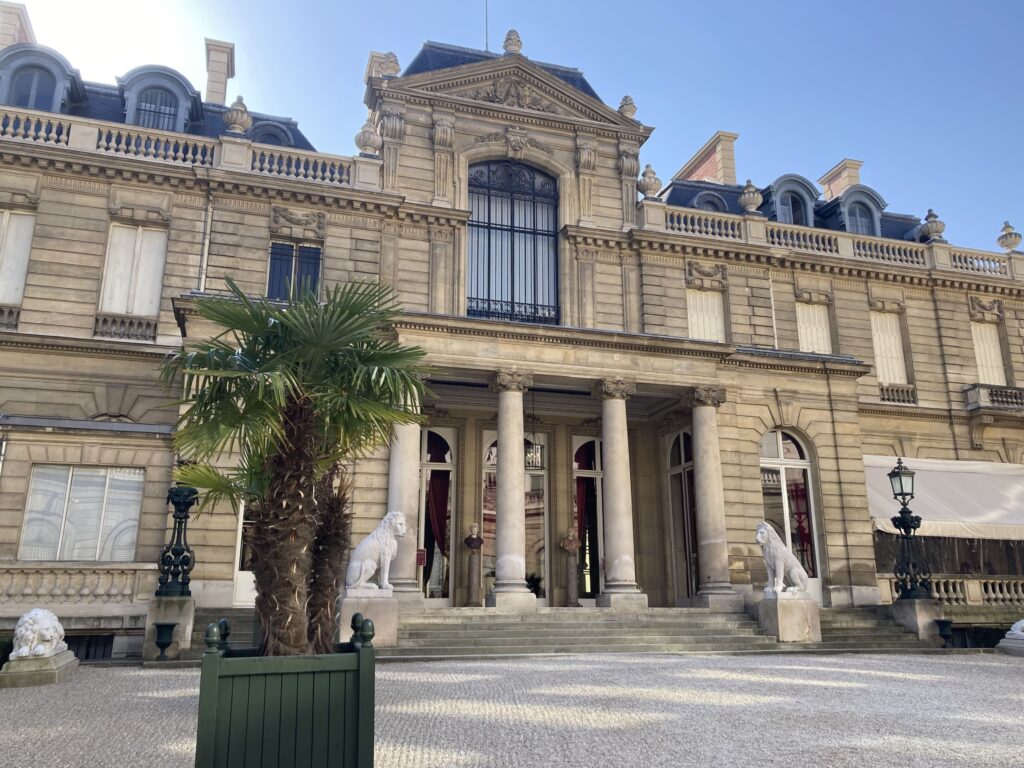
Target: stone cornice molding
{"points": [[854, 369], [84, 347], [614, 389], [707, 395], [511, 381]]}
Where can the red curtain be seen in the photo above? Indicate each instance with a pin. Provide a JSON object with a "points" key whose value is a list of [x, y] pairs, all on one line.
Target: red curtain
{"points": [[581, 508], [437, 507]]}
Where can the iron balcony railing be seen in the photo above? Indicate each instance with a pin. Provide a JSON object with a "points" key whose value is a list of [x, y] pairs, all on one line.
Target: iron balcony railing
{"points": [[518, 312]]}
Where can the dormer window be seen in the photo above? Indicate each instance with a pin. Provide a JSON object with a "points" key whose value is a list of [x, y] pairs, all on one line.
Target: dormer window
{"points": [[267, 132], [860, 221], [861, 209], [33, 88], [157, 109], [710, 201], [792, 210]]}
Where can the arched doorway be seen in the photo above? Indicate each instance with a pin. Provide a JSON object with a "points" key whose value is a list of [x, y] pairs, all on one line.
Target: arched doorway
{"points": [[682, 506], [437, 485], [587, 517]]}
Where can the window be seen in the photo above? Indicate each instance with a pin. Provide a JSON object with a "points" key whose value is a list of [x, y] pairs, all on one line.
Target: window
{"points": [[684, 508], [710, 201], [293, 265], [988, 351], [82, 513], [158, 108], [859, 220], [437, 464], [15, 245], [33, 88], [134, 271], [792, 209], [786, 496], [887, 338], [587, 514], [705, 313], [814, 329], [513, 243]]}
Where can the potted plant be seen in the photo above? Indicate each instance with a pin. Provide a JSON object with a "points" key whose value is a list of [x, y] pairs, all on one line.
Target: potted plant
{"points": [[274, 407]]}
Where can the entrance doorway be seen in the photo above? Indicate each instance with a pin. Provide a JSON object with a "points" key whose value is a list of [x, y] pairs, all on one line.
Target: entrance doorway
{"points": [[587, 516], [683, 510], [437, 485], [244, 582]]}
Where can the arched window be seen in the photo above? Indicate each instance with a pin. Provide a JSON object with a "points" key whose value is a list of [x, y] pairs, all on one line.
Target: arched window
{"points": [[683, 507], [710, 201], [786, 495], [513, 243], [859, 220], [587, 509], [158, 108], [33, 88], [792, 209]]}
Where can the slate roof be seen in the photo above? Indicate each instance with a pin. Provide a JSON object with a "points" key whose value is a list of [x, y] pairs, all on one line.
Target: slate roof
{"points": [[434, 56]]}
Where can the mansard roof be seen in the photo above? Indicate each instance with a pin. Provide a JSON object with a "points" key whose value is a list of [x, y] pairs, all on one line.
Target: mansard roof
{"points": [[434, 56]]}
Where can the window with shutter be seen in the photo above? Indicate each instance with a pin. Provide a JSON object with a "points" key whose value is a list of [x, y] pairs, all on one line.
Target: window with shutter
{"points": [[705, 314], [292, 265], [988, 351], [15, 245], [813, 328], [134, 271], [887, 337]]}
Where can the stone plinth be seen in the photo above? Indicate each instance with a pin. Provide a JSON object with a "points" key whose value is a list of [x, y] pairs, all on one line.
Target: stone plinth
{"points": [[725, 602], [43, 670], [918, 616], [512, 602], [1011, 646], [177, 610], [791, 616], [382, 609], [622, 601]]}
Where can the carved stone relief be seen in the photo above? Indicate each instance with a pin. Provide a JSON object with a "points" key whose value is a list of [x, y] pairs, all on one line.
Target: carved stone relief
{"points": [[283, 219], [512, 91], [982, 311], [706, 278]]}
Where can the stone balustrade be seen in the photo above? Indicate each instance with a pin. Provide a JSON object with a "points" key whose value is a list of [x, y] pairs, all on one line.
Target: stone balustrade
{"points": [[965, 590], [756, 230], [904, 394], [178, 149], [125, 327], [64, 587], [987, 396]]}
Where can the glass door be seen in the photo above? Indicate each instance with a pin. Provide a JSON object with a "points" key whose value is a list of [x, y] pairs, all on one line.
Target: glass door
{"points": [[587, 516], [683, 509], [437, 489]]}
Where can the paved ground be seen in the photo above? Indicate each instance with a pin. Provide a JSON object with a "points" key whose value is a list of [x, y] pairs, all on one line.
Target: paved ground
{"points": [[590, 711]]}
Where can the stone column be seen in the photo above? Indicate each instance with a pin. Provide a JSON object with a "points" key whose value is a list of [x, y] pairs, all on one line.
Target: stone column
{"points": [[510, 591], [620, 589], [403, 495], [712, 546]]}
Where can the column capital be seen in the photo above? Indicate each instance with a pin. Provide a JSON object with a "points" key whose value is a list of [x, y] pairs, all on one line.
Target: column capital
{"points": [[511, 381], [713, 396], [618, 389]]}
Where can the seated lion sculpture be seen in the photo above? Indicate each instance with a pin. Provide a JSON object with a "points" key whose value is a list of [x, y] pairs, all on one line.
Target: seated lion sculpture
{"points": [[1017, 631], [780, 562], [376, 551], [38, 634]]}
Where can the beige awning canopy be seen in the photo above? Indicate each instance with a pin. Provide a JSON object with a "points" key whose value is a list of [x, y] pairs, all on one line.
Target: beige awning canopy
{"points": [[962, 499]]}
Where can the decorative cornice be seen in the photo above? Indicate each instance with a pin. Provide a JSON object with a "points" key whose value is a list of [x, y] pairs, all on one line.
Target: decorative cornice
{"points": [[85, 347], [511, 381]]}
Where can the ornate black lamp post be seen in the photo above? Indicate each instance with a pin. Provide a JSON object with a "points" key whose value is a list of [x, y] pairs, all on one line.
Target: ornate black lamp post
{"points": [[177, 558], [913, 576]]}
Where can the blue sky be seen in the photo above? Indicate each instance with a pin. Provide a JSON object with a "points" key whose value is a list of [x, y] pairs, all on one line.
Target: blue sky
{"points": [[930, 95]]}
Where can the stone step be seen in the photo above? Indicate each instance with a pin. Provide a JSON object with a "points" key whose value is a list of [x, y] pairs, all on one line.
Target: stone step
{"points": [[584, 640], [561, 648], [470, 634], [532, 619], [582, 627]]}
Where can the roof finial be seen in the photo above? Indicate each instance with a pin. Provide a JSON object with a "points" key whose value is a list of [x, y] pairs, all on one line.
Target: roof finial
{"points": [[751, 198], [649, 183], [627, 107], [237, 117], [368, 140], [1008, 240], [388, 66], [513, 43], [932, 228]]}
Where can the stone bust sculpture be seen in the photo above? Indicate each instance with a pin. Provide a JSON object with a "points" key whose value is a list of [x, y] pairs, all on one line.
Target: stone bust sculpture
{"points": [[376, 552], [474, 540], [571, 543]]}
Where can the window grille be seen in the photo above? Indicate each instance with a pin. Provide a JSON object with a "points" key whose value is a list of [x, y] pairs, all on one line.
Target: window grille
{"points": [[513, 243], [157, 109]]}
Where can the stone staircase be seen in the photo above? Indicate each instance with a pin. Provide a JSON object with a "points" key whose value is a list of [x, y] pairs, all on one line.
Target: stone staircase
{"points": [[479, 633], [242, 622]]}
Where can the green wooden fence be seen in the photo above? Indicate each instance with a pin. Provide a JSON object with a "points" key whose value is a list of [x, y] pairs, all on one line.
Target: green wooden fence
{"points": [[286, 711]]}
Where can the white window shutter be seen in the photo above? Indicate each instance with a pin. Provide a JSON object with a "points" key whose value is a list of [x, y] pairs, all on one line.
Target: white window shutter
{"points": [[813, 328], [15, 247], [890, 364], [988, 351], [705, 315], [149, 275], [118, 272]]}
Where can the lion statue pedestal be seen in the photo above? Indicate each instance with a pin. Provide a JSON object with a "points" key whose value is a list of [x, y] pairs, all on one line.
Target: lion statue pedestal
{"points": [[40, 655], [787, 612], [372, 557], [1013, 643]]}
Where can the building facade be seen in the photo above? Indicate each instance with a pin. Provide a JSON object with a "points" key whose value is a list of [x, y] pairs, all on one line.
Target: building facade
{"points": [[658, 372]]}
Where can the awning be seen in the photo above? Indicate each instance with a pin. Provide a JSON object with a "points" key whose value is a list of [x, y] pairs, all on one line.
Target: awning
{"points": [[962, 499]]}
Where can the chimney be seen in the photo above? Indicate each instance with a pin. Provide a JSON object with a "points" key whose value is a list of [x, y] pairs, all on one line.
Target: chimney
{"points": [[220, 67], [715, 161], [14, 25], [845, 174]]}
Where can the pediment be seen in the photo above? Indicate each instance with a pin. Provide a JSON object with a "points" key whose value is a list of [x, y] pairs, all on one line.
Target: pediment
{"points": [[513, 83]]}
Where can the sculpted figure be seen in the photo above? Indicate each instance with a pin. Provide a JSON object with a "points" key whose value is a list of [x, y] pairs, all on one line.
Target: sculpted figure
{"points": [[1016, 631], [780, 562], [38, 634], [375, 552]]}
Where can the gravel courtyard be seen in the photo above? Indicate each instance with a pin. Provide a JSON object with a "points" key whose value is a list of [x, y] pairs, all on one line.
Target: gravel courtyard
{"points": [[593, 711]]}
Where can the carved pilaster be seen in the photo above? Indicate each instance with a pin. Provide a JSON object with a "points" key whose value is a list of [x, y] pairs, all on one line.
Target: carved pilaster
{"points": [[444, 138], [618, 388], [513, 381], [391, 125], [713, 396], [586, 164], [441, 277], [629, 168]]}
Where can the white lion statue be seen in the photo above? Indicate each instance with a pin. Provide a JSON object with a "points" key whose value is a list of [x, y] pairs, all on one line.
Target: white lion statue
{"points": [[38, 634], [376, 551], [780, 562], [1016, 631]]}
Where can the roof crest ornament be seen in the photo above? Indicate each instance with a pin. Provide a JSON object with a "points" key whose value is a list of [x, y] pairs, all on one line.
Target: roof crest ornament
{"points": [[513, 43], [237, 117], [627, 107]]}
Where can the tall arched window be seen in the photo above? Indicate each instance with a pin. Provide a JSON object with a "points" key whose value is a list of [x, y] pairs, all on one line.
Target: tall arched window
{"points": [[158, 108], [513, 243], [786, 495], [792, 210], [859, 220], [33, 88], [587, 503]]}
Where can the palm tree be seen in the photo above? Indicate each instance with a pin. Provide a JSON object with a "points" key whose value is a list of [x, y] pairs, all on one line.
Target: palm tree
{"points": [[275, 407]]}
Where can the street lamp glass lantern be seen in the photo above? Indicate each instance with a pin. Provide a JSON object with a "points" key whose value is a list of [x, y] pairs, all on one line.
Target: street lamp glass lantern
{"points": [[902, 480]]}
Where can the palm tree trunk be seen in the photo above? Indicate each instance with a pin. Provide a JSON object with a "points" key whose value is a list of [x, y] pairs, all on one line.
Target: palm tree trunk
{"points": [[330, 560], [283, 535]]}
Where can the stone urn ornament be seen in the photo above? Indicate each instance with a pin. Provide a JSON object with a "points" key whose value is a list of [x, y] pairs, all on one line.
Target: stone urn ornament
{"points": [[649, 183], [627, 107], [368, 141], [1008, 240], [751, 199], [933, 227], [237, 117], [513, 43]]}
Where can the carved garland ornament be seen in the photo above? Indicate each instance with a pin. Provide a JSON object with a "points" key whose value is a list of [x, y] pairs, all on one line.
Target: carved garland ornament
{"points": [[517, 140], [511, 91], [511, 381], [315, 220], [705, 278], [982, 311]]}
